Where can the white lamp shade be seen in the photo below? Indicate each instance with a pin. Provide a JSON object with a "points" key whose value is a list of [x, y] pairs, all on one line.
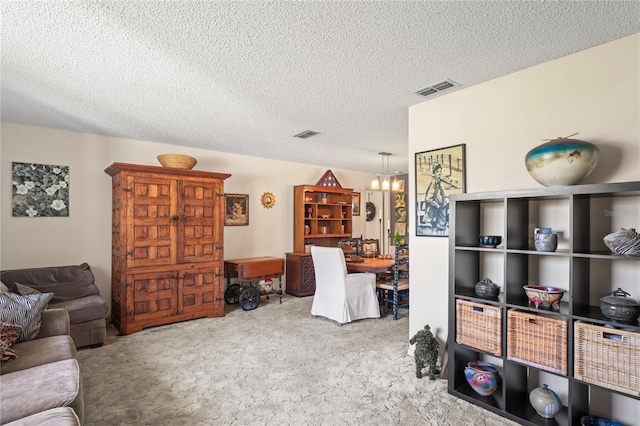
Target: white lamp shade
{"points": [[375, 183]]}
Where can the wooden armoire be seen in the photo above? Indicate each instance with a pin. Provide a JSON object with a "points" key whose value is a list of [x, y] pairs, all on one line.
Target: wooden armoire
{"points": [[167, 245]]}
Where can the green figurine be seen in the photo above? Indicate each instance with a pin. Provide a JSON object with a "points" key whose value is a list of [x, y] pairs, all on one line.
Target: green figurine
{"points": [[426, 352]]}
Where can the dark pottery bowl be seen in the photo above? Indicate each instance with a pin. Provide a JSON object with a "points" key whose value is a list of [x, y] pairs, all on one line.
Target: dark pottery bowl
{"points": [[617, 306], [490, 240], [487, 288], [598, 421]]}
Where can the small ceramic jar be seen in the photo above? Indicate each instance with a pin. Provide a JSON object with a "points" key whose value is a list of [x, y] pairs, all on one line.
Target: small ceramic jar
{"points": [[545, 402], [487, 288]]}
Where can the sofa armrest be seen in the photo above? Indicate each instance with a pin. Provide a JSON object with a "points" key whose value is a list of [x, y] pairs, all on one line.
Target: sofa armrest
{"points": [[55, 322]]}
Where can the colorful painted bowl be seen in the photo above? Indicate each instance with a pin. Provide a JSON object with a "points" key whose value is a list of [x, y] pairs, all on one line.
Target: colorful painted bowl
{"points": [[543, 295], [562, 161], [482, 376]]}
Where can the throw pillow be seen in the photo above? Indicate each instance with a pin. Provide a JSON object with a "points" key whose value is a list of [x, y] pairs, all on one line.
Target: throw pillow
{"points": [[23, 290], [26, 311], [9, 333], [3, 287]]}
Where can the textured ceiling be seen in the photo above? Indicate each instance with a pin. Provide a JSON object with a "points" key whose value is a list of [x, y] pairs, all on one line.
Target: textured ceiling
{"points": [[244, 77]]}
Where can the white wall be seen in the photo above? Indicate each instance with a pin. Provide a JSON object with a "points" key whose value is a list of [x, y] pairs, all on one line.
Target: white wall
{"points": [[84, 236], [595, 92]]}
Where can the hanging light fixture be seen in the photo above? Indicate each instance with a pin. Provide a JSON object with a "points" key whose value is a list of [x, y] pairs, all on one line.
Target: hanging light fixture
{"points": [[386, 184], [396, 184]]}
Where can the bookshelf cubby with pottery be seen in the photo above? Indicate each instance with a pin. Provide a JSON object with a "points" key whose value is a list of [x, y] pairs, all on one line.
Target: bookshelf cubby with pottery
{"points": [[592, 362]]}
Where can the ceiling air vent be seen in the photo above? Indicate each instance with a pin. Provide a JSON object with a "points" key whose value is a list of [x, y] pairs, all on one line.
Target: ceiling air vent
{"points": [[306, 134], [435, 88]]}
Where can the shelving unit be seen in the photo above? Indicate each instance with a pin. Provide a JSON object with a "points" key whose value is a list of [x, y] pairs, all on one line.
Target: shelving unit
{"points": [[582, 265], [322, 216]]}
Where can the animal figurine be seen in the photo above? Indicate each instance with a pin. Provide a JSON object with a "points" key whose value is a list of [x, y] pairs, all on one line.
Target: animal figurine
{"points": [[426, 352]]}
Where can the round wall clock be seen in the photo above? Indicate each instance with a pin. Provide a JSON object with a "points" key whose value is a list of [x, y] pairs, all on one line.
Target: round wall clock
{"points": [[268, 200]]}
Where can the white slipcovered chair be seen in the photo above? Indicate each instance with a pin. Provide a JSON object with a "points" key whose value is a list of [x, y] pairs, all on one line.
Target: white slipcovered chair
{"points": [[341, 296]]}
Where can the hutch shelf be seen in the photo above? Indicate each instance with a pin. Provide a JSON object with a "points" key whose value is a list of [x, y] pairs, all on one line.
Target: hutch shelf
{"points": [[322, 216], [582, 265]]}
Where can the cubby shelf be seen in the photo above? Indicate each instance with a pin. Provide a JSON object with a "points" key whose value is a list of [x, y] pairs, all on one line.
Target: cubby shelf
{"points": [[582, 265]]}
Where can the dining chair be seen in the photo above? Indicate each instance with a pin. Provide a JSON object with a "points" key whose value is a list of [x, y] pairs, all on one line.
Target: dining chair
{"points": [[370, 247], [341, 296], [395, 295]]}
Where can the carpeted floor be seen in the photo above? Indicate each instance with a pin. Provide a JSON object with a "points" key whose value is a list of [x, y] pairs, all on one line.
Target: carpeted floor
{"points": [[275, 365]]}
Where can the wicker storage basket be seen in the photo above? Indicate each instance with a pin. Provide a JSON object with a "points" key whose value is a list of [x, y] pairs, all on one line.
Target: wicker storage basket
{"points": [[177, 161], [479, 326], [607, 357], [537, 340]]}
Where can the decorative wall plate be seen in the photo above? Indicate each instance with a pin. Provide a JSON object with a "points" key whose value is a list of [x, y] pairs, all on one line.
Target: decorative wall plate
{"points": [[268, 200]]}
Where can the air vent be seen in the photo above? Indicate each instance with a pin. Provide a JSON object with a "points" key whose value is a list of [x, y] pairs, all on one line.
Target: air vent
{"points": [[306, 134], [435, 88]]}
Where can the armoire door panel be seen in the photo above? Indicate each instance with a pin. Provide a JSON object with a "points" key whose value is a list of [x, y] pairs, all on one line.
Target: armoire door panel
{"points": [[153, 295], [151, 221], [200, 223], [200, 291]]}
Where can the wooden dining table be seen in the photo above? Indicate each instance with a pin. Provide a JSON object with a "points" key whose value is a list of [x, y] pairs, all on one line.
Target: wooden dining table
{"points": [[376, 266]]}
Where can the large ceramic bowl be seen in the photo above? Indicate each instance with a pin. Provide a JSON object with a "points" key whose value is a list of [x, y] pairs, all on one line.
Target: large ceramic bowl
{"points": [[543, 295], [482, 376], [562, 161]]}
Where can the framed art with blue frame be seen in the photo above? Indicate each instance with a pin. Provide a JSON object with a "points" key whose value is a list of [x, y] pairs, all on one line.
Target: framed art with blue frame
{"points": [[440, 173]]}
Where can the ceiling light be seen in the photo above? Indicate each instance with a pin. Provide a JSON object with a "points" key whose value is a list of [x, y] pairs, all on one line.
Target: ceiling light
{"points": [[375, 182]]}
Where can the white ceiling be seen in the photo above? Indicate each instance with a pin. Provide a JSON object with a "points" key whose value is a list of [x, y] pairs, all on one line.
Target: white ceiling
{"points": [[244, 77]]}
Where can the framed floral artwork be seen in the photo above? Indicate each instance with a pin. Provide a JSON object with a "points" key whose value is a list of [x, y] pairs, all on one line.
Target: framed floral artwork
{"points": [[236, 209], [439, 174], [39, 190]]}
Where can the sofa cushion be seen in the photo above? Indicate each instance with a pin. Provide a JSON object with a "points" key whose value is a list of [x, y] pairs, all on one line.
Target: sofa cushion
{"points": [[61, 416], [56, 385], [25, 311], [3, 287], [84, 309], [39, 352], [65, 282], [9, 333]]}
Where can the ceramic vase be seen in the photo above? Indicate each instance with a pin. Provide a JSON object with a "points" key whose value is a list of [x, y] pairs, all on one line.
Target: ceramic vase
{"points": [[545, 402], [482, 377], [562, 161], [545, 240]]}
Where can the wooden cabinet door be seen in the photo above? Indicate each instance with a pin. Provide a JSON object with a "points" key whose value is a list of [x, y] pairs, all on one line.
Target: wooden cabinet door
{"points": [[200, 233], [152, 296], [152, 221], [200, 291]]}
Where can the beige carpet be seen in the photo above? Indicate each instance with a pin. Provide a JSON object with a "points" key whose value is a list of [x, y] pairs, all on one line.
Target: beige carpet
{"points": [[275, 365]]}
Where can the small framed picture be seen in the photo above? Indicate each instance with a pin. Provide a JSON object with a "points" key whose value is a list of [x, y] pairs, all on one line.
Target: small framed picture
{"points": [[236, 209], [355, 204]]}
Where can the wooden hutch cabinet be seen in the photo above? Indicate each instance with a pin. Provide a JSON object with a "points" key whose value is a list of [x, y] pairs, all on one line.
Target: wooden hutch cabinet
{"points": [[322, 216], [167, 245]]}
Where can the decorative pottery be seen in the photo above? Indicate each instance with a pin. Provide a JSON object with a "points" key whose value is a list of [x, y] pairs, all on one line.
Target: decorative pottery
{"points": [[482, 376], [543, 295], [490, 240], [545, 240], [545, 402], [177, 161], [598, 421], [562, 161], [618, 306], [487, 288], [623, 241]]}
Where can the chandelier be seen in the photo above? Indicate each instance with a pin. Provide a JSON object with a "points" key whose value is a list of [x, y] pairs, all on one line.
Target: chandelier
{"points": [[386, 185]]}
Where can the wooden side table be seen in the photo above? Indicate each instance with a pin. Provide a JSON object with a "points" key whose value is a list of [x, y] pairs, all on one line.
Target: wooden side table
{"points": [[250, 270]]}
